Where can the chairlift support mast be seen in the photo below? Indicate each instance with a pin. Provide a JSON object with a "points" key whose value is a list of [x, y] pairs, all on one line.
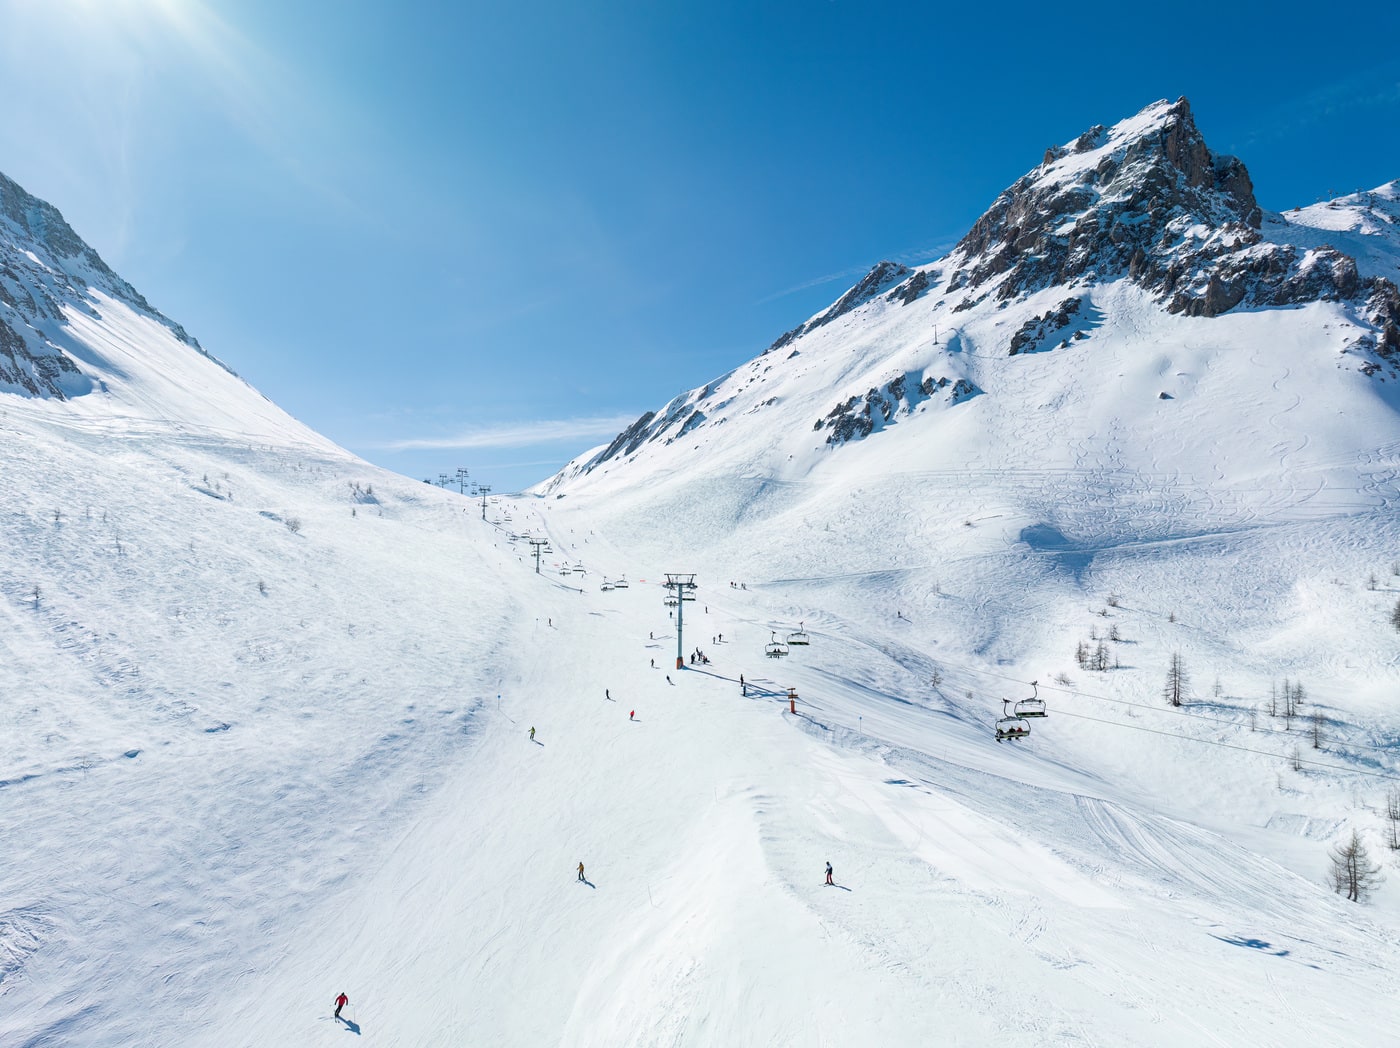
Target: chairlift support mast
{"points": [[538, 545], [484, 490], [679, 584]]}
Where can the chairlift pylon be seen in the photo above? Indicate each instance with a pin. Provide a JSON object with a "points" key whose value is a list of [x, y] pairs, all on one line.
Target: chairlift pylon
{"points": [[1034, 706], [1010, 726]]}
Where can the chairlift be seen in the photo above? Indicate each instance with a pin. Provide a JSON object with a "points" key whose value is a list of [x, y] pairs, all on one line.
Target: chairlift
{"points": [[564, 570], [671, 602], [606, 586], [1010, 726], [776, 649], [800, 637], [621, 583], [1032, 707]]}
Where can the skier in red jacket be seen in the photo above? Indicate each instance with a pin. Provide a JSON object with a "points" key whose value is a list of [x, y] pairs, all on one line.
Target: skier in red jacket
{"points": [[340, 1002]]}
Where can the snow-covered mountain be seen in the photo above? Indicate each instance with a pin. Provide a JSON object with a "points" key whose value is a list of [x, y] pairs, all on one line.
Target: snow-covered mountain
{"points": [[279, 724], [1108, 253]]}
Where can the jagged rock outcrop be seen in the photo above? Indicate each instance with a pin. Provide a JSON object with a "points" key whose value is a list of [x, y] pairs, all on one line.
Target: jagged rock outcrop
{"points": [[859, 416], [1039, 329]]}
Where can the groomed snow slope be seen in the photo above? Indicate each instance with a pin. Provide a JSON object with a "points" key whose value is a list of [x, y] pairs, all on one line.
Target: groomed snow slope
{"points": [[224, 805]]}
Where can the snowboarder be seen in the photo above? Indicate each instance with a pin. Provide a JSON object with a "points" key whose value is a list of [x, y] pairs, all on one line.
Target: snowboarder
{"points": [[532, 733], [580, 871], [340, 1002], [828, 875]]}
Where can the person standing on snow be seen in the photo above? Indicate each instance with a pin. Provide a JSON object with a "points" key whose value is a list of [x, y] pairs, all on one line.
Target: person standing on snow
{"points": [[532, 734], [580, 871], [340, 1002], [828, 875], [632, 715]]}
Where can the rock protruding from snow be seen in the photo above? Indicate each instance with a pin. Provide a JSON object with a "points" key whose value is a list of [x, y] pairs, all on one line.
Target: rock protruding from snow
{"points": [[859, 416]]}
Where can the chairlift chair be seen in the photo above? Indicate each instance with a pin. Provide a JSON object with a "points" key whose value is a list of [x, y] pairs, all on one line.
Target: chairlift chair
{"points": [[621, 583], [776, 649], [1010, 726], [606, 586], [1032, 707], [800, 637]]}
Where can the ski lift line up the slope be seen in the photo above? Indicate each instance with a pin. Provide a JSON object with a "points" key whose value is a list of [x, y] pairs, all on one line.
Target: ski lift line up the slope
{"points": [[1170, 711], [1232, 746]]}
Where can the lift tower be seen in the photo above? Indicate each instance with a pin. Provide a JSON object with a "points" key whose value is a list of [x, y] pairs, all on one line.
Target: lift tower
{"points": [[680, 585]]}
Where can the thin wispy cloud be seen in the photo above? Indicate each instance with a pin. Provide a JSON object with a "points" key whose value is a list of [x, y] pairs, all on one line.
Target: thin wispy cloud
{"points": [[1376, 88], [910, 257], [519, 434], [845, 274]]}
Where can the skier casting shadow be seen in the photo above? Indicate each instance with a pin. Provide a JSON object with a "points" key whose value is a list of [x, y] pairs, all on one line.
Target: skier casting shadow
{"points": [[350, 1024], [584, 879]]}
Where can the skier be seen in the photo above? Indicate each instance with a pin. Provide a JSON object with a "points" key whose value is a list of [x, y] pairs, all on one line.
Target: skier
{"points": [[828, 875], [580, 871], [632, 715], [651, 634], [340, 1002], [532, 733], [653, 664], [607, 694], [670, 681]]}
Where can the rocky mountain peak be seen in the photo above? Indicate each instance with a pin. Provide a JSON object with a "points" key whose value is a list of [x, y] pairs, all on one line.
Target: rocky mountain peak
{"points": [[1109, 203], [1147, 200]]}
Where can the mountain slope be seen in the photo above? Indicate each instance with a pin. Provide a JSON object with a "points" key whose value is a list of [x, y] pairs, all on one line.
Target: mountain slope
{"points": [[268, 709], [1123, 235]]}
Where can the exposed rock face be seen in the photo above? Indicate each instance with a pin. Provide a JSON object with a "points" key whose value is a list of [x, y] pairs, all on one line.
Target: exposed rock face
{"points": [[44, 268], [1039, 329], [858, 417], [1149, 201]]}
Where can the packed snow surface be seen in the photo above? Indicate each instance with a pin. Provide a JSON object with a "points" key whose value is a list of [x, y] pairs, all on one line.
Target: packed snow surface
{"points": [[267, 711]]}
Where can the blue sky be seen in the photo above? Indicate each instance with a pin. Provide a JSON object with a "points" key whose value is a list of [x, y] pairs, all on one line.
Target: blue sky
{"points": [[491, 235]]}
